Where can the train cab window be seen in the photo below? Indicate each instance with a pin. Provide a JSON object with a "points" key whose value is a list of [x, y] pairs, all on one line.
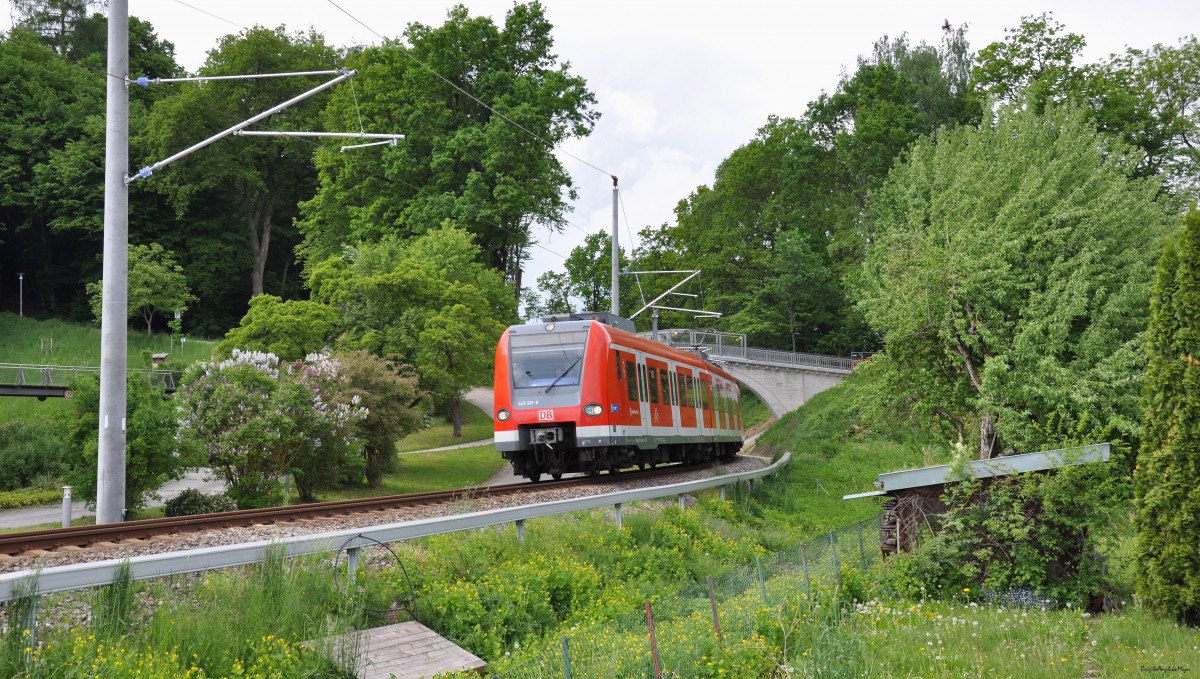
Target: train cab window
{"points": [[642, 382], [665, 378], [653, 379], [631, 382], [547, 360]]}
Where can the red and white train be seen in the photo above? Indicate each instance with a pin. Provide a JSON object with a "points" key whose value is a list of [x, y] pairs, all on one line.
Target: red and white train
{"points": [[578, 393]]}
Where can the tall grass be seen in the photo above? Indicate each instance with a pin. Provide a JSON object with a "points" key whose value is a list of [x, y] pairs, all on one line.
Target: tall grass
{"points": [[270, 620]]}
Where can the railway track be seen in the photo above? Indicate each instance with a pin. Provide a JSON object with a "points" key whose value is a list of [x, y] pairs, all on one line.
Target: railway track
{"points": [[84, 537]]}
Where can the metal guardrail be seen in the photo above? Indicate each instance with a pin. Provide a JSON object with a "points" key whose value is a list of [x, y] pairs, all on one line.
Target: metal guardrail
{"points": [[61, 376], [96, 573], [732, 346]]}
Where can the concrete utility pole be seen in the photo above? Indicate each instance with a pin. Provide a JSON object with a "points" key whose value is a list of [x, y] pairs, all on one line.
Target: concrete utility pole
{"points": [[110, 471], [615, 306]]}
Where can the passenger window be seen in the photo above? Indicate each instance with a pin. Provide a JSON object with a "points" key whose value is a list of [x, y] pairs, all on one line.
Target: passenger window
{"points": [[642, 381], [690, 385], [653, 379], [665, 378], [631, 380]]}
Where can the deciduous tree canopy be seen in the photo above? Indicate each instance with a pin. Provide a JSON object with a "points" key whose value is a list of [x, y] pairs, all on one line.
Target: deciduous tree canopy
{"points": [[482, 108], [1010, 278]]}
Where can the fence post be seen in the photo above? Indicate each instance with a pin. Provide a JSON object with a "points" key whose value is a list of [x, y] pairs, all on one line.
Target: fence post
{"points": [[352, 564], [681, 507], [837, 570], [716, 619], [862, 551], [66, 509], [653, 642], [762, 584], [521, 533], [804, 564], [566, 653], [722, 493], [618, 515]]}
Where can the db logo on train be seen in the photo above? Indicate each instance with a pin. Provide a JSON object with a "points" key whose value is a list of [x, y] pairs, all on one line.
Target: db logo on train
{"points": [[545, 416]]}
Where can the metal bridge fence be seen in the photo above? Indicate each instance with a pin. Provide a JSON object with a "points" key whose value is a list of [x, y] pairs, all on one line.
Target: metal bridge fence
{"points": [[674, 636], [24, 375], [733, 346]]}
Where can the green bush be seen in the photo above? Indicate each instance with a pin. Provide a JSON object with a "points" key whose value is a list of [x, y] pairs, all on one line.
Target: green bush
{"points": [[1039, 532], [193, 501], [30, 451], [16, 499]]}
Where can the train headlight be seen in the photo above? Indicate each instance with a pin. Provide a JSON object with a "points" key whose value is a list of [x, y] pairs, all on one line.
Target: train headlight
{"points": [[592, 409], [502, 415]]}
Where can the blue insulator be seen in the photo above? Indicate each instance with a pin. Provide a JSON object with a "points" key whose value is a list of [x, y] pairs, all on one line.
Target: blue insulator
{"points": [[145, 172], [143, 81]]}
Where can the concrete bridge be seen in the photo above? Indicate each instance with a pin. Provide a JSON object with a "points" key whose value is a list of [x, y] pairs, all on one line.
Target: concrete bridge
{"points": [[54, 381], [783, 380]]}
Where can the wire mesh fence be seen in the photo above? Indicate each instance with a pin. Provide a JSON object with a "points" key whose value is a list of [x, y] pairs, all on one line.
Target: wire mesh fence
{"points": [[673, 636]]}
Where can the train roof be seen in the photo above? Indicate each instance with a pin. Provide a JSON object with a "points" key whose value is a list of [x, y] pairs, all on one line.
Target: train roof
{"points": [[625, 338]]}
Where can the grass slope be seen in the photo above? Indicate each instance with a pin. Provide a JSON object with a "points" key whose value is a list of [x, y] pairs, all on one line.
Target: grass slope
{"points": [[835, 452], [28, 341]]}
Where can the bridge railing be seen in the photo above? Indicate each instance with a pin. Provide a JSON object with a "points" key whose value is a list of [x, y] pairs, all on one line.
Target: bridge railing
{"points": [[24, 375], [733, 345]]}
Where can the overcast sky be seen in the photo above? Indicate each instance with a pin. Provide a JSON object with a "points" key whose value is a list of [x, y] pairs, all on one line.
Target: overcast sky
{"points": [[679, 84]]}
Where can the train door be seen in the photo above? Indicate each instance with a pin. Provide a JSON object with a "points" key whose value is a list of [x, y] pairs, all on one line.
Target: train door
{"points": [[686, 389], [629, 397], [660, 401], [625, 402], [644, 400], [704, 392]]}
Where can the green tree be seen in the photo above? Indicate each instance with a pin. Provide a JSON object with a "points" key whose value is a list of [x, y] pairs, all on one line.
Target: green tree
{"points": [[1167, 480], [392, 398], [586, 278], [256, 420], [258, 181], [156, 284], [1151, 99], [460, 160], [54, 21], [1010, 278], [427, 302], [152, 456], [1035, 63], [45, 104], [291, 330], [1146, 97]]}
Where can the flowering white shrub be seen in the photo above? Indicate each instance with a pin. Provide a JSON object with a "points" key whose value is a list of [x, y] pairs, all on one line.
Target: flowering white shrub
{"points": [[258, 421]]}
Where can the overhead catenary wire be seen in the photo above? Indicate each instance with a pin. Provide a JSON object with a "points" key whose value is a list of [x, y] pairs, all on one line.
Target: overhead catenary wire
{"points": [[218, 18]]}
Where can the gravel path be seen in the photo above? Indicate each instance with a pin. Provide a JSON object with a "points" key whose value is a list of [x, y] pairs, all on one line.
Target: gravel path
{"points": [[130, 548]]}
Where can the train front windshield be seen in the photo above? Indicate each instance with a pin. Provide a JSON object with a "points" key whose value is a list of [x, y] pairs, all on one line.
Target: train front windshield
{"points": [[548, 364]]}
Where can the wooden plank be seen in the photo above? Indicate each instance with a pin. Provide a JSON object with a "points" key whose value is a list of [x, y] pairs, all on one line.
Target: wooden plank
{"points": [[407, 650]]}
